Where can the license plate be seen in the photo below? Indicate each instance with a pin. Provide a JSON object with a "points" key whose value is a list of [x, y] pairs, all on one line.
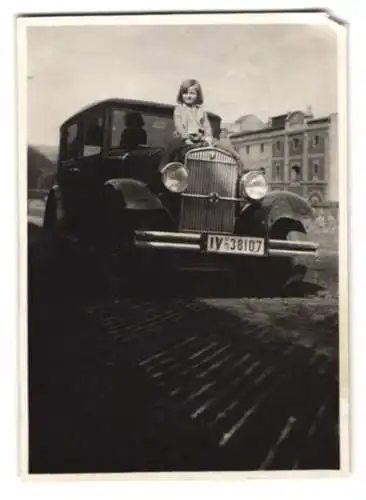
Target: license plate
{"points": [[242, 245]]}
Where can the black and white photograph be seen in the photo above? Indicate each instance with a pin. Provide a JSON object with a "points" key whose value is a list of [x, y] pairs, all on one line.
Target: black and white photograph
{"points": [[183, 209]]}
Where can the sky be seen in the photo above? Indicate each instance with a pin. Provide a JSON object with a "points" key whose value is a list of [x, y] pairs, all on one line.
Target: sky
{"points": [[244, 69]]}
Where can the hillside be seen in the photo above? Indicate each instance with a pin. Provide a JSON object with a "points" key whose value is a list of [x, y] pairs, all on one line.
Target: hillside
{"points": [[41, 166]]}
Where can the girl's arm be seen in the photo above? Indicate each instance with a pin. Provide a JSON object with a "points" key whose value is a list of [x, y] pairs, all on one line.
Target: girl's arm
{"points": [[179, 123]]}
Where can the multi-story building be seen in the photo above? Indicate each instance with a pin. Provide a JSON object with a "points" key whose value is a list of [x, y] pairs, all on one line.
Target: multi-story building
{"points": [[297, 151]]}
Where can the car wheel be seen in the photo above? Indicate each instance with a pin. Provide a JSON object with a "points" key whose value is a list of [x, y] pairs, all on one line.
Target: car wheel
{"points": [[271, 276], [287, 271], [50, 263], [50, 215], [110, 268], [119, 269], [52, 221], [50, 235]]}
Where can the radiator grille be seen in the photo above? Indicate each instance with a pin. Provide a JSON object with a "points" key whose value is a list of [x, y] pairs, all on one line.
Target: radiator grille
{"points": [[210, 171]]}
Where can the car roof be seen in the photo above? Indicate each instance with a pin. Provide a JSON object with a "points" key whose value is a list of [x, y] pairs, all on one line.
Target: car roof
{"points": [[133, 103]]}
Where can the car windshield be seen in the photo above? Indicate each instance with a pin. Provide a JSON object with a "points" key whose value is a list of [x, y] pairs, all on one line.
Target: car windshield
{"points": [[133, 128]]}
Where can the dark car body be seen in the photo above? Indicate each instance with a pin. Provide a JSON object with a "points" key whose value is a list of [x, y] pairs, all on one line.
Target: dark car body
{"points": [[107, 189]]}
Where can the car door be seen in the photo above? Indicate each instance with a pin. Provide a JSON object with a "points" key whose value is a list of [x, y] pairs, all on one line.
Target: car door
{"points": [[90, 174], [80, 171], [67, 177]]}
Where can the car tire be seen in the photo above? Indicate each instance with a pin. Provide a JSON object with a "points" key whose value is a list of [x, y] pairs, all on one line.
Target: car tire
{"points": [[53, 220], [50, 262], [110, 269], [287, 271], [50, 215], [50, 235], [122, 271], [271, 276]]}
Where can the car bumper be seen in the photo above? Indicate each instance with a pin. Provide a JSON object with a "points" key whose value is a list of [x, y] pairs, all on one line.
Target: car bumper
{"points": [[194, 242]]}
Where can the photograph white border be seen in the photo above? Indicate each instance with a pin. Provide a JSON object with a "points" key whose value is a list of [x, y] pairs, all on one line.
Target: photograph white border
{"points": [[342, 110]]}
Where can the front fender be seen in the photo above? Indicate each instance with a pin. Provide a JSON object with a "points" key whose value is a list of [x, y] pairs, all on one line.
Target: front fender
{"points": [[135, 194], [283, 205]]}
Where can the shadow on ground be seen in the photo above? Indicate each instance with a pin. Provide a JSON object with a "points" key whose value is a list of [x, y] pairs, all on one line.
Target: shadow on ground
{"points": [[170, 383]]}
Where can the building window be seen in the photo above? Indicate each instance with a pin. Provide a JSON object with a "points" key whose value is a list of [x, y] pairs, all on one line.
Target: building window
{"points": [[315, 141], [278, 146], [247, 149], [295, 174], [315, 171], [262, 147], [277, 172], [296, 143]]}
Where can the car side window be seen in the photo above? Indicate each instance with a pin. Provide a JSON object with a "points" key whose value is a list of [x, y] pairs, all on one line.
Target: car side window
{"points": [[135, 128], [69, 148], [93, 135]]}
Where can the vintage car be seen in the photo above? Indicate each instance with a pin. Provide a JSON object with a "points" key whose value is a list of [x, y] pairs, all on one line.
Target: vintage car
{"points": [[116, 190]]}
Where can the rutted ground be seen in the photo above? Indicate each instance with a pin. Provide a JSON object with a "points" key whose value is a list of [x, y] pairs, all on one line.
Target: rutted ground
{"points": [[184, 383]]}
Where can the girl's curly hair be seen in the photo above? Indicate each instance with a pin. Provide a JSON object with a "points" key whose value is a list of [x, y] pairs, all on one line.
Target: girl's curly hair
{"points": [[186, 85]]}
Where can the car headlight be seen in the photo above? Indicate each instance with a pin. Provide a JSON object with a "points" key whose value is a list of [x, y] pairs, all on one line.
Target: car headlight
{"points": [[253, 185], [175, 177]]}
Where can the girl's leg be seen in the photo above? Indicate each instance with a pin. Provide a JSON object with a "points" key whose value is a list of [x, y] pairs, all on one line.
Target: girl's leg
{"points": [[171, 153]]}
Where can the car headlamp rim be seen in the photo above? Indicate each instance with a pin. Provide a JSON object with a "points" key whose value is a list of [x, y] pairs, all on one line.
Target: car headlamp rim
{"points": [[171, 164], [253, 185], [174, 176]]}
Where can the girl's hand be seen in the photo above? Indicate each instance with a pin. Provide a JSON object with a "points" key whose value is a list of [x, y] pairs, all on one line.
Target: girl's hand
{"points": [[208, 140], [196, 137], [189, 142]]}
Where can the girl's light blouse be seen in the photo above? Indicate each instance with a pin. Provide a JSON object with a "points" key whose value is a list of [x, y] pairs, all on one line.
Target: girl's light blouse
{"points": [[190, 120]]}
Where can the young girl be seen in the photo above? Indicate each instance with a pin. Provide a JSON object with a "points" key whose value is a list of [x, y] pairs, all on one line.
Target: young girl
{"points": [[192, 126], [190, 119]]}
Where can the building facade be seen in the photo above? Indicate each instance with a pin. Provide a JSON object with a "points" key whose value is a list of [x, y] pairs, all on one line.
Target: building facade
{"points": [[298, 153]]}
